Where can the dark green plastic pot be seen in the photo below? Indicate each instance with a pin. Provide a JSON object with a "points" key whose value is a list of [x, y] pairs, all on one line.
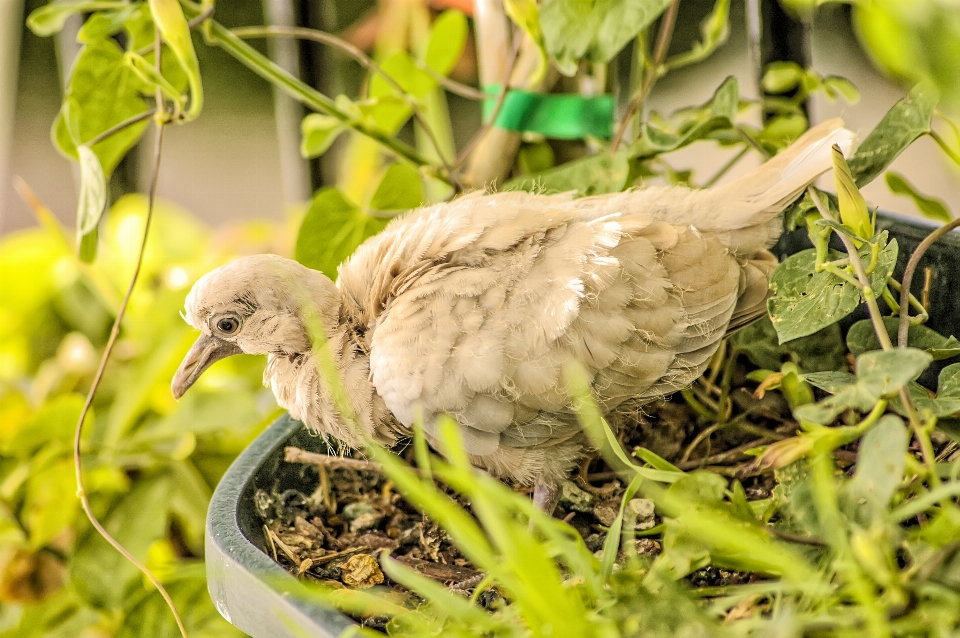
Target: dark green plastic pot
{"points": [[250, 590], [262, 599]]}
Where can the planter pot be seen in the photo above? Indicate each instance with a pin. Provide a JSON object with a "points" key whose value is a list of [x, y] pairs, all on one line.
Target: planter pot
{"points": [[262, 599], [250, 590]]}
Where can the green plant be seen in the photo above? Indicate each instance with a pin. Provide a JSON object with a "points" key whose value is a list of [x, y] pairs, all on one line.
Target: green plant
{"points": [[150, 463], [834, 554]]}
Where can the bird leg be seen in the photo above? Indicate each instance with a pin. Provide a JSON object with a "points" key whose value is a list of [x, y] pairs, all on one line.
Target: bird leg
{"points": [[546, 496]]}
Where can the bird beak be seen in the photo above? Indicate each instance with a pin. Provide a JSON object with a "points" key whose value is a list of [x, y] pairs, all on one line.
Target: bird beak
{"points": [[205, 352]]}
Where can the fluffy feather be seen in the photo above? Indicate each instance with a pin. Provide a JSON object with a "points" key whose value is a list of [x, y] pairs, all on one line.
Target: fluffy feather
{"points": [[472, 307]]}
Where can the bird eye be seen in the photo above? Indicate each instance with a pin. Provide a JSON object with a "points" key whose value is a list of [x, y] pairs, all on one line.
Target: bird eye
{"points": [[228, 325]]}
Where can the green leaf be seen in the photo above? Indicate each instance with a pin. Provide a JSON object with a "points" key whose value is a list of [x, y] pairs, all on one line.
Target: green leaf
{"points": [[861, 337], [852, 205], [595, 175], [611, 544], [823, 350], [780, 131], [50, 18], [332, 230], [102, 93], [947, 401], [884, 372], [714, 30], [93, 192], [391, 108], [931, 207], [55, 421], [104, 24], [400, 189], [526, 15], [448, 35], [319, 132], [781, 77], [853, 396], [834, 84], [49, 506], [716, 114], [880, 463], [99, 574], [574, 29], [900, 127], [804, 301], [172, 24], [832, 381]]}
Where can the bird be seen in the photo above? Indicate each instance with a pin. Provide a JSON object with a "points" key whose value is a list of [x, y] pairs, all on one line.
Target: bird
{"points": [[471, 308]]}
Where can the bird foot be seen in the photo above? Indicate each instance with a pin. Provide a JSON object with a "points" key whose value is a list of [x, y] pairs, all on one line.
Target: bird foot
{"points": [[546, 496]]}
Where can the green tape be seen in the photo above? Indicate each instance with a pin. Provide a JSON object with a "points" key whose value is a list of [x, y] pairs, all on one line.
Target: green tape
{"points": [[562, 116]]}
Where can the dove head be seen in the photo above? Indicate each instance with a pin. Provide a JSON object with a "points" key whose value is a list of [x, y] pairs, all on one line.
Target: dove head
{"points": [[254, 305]]}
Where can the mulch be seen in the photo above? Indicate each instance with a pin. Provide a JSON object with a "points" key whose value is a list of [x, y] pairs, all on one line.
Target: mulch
{"points": [[336, 528]]}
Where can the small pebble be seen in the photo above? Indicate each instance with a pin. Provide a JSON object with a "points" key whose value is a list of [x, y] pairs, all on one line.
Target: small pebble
{"points": [[574, 498]]}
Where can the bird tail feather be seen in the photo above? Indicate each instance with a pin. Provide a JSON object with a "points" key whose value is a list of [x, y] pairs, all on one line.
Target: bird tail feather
{"points": [[769, 188]]}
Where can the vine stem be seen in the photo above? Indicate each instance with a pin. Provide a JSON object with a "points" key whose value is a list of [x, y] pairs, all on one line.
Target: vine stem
{"points": [[904, 326], [119, 127], [952, 154], [877, 320], [501, 97], [869, 295], [363, 59], [108, 349], [310, 97], [664, 35]]}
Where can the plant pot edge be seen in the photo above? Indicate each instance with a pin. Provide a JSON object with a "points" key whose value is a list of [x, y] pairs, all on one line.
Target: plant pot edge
{"points": [[248, 588]]}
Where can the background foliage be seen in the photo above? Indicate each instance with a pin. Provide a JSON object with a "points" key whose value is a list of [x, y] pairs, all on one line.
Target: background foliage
{"points": [[878, 547]]}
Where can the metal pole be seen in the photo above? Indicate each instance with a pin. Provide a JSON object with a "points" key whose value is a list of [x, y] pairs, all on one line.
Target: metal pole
{"points": [[288, 113]]}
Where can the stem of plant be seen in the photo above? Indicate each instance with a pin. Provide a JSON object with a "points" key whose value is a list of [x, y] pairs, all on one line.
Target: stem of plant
{"points": [[952, 154], [876, 319], [119, 127], [664, 35], [108, 349], [501, 97], [908, 272], [363, 59], [868, 295], [310, 97]]}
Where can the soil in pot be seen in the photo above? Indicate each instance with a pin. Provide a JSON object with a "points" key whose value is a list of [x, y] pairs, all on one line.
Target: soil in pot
{"points": [[335, 526]]}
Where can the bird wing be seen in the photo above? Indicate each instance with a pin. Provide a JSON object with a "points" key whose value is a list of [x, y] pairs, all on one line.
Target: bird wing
{"points": [[482, 333]]}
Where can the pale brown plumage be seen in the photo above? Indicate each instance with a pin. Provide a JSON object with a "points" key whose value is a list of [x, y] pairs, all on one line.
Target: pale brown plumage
{"points": [[472, 307]]}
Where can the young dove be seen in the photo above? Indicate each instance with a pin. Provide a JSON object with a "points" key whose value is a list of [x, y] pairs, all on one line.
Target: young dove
{"points": [[473, 307]]}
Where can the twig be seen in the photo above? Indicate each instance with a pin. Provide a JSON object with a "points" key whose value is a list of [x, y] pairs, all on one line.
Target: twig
{"points": [[354, 52], [108, 349], [664, 35], [296, 455], [268, 534], [723, 457], [275, 539], [796, 538], [326, 558], [928, 241], [752, 141], [457, 88], [119, 127], [726, 167], [504, 87], [705, 434], [952, 154]]}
